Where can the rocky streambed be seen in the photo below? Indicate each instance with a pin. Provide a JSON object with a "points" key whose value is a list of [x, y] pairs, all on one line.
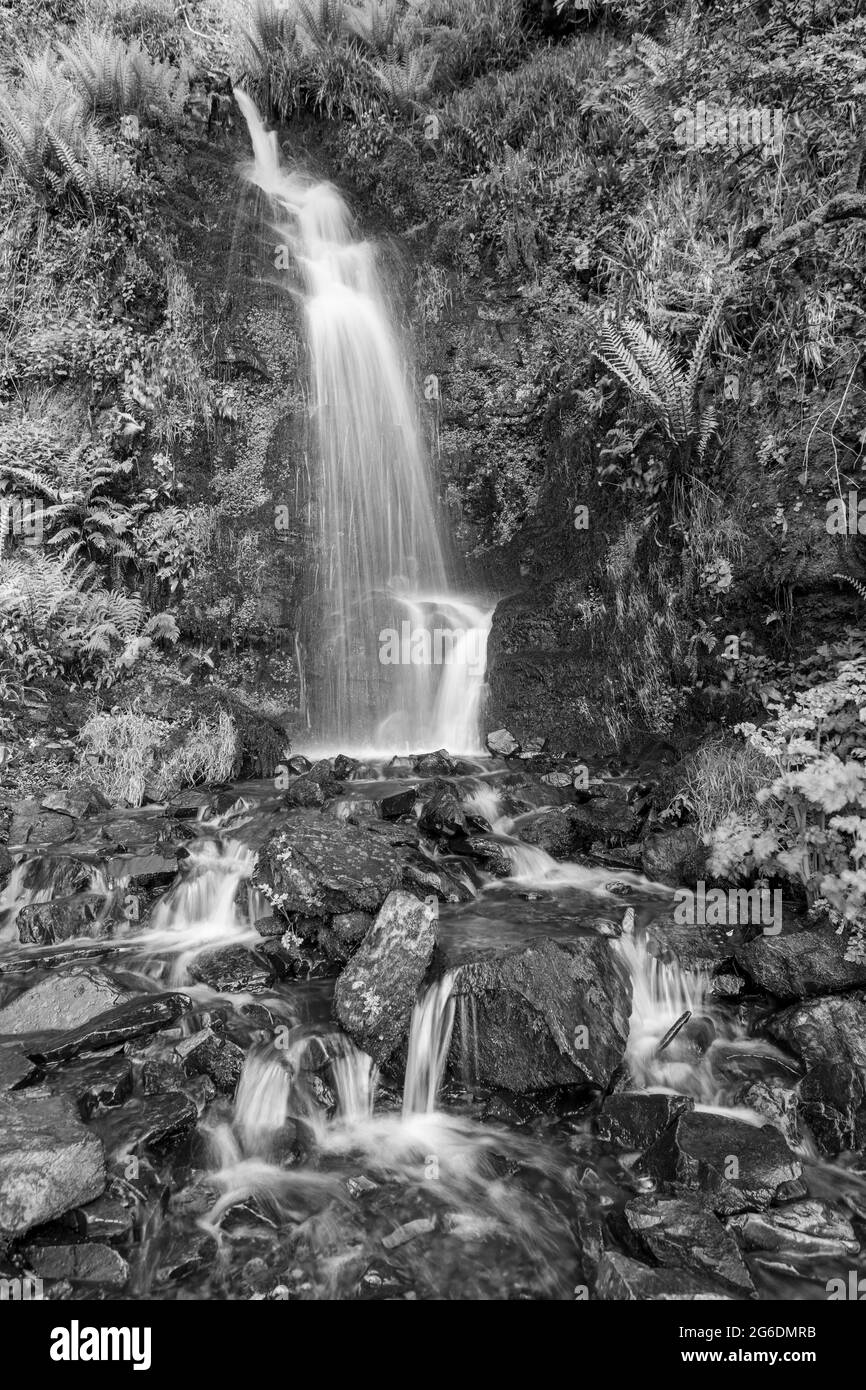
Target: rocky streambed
{"points": [[423, 1029]]}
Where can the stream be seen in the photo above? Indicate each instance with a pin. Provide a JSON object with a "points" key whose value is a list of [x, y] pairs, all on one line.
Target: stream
{"points": [[308, 1173]]}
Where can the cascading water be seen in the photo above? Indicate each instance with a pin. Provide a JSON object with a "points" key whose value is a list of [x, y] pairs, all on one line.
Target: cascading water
{"points": [[403, 658]]}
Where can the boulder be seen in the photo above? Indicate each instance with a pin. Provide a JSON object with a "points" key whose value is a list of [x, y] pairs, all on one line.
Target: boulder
{"points": [[635, 1119], [90, 915], [438, 764], [735, 1166], [76, 801], [552, 1013], [680, 1233], [673, 856], [799, 1228], [133, 1018], [92, 1263], [801, 964], [399, 804], [30, 826], [832, 1102], [49, 1161], [64, 999], [830, 1028], [376, 993], [489, 852], [231, 970], [502, 744], [158, 1122], [95, 1083], [342, 936], [621, 1279], [205, 1053], [317, 867], [553, 831], [606, 819], [442, 813]]}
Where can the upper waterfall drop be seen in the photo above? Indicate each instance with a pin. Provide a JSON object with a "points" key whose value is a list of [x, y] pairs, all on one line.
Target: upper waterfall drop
{"points": [[403, 658]]}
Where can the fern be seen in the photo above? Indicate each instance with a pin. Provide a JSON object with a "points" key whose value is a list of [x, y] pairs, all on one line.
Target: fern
{"points": [[407, 81], [653, 374], [856, 584], [376, 25], [118, 78]]}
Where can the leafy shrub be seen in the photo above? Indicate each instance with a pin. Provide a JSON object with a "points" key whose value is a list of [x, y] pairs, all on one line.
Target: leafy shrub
{"points": [[808, 824]]}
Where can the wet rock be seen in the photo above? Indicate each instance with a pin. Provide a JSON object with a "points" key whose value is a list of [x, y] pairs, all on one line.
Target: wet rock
{"points": [[160, 1074], [778, 1105], [396, 833], [801, 964], [76, 801], [832, 1102], [90, 915], [502, 744], [314, 786], [604, 818], [442, 814], [682, 1234], [92, 1263], [431, 876], [635, 1119], [122, 833], [673, 856], [802, 1228], [399, 804], [621, 1279], [305, 792], [831, 1028], [298, 764], [91, 1084], [553, 831], [376, 992], [438, 764], [49, 1161], [694, 947], [131, 1019], [532, 748], [231, 970], [140, 872], [31, 826], [62, 1000], [105, 1219], [559, 780], [735, 1166], [15, 1068], [489, 852], [553, 1013], [207, 1054], [316, 867], [153, 1122], [344, 766], [344, 933]]}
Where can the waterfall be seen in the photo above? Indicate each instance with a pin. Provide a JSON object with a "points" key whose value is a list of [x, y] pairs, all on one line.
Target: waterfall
{"points": [[429, 1040], [401, 660]]}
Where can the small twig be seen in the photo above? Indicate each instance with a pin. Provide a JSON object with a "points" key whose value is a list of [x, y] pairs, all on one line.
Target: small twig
{"points": [[672, 1032]]}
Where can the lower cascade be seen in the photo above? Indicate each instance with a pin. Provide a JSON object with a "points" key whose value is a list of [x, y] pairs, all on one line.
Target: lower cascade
{"points": [[480, 1070]]}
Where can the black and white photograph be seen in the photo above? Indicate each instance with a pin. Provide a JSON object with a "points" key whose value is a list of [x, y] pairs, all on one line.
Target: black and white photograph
{"points": [[432, 671]]}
